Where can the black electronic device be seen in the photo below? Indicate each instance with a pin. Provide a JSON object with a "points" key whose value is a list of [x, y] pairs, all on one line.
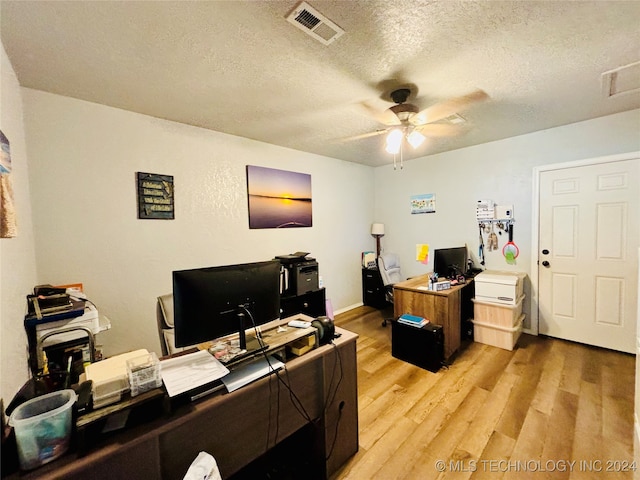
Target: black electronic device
{"points": [[326, 329], [298, 275], [213, 302], [303, 277], [450, 262], [423, 347]]}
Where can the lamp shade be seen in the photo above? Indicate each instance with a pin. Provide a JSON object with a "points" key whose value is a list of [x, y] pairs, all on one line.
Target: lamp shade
{"points": [[377, 229]]}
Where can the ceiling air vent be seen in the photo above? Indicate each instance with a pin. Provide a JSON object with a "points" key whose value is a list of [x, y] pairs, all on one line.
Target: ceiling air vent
{"points": [[621, 80], [309, 20]]}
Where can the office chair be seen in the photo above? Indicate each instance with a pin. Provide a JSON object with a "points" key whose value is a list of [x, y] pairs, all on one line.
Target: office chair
{"points": [[389, 268]]}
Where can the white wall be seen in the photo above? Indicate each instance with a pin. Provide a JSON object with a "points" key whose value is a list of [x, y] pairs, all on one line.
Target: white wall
{"points": [[636, 403], [17, 257], [500, 171], [83, 161]]}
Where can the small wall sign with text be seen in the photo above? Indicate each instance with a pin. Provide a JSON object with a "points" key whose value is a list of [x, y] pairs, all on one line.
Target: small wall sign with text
{"points": [[155, 196]]}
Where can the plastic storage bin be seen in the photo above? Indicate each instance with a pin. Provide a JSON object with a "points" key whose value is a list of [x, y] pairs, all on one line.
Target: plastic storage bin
{"points": [[497, 336], [43, 428], [144, 373], [496, 313], [499, 287]]}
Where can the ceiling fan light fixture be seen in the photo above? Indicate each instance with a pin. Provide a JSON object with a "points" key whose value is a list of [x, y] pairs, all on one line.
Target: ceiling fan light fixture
{"points": [[394, 140], [415, 138], [393, 149]]}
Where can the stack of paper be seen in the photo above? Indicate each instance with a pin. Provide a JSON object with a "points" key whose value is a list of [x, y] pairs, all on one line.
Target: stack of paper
{"points": [[109, 378], [187, 372]]}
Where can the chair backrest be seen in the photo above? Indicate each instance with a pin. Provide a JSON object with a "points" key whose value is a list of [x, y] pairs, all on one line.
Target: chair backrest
{"points": [[164, 313], [389, 266]]}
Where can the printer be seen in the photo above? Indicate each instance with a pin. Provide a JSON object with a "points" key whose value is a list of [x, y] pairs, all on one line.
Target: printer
{"points": [[298, 273]]}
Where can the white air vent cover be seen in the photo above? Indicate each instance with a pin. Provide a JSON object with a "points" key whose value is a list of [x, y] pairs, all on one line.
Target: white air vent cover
{"points": [[309, 20], [621, 80]]}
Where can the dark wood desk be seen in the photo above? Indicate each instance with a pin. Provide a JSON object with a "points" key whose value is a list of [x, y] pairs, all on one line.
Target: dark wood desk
{"points": [[442, 307], [236, 428]]}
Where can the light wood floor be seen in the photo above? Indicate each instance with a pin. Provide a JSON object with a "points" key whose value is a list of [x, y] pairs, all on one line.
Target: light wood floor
{"points": [[493, 413]]}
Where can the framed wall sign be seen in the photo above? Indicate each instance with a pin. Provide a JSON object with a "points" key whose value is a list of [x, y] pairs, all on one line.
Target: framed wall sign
{"points": [[155, 196]]}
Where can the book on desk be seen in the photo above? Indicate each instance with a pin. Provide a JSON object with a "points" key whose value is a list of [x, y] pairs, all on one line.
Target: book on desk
{"points": [[412, 320]]}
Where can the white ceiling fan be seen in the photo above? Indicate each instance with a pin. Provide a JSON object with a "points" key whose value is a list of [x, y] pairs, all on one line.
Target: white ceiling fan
{"points": [[405, 121]]}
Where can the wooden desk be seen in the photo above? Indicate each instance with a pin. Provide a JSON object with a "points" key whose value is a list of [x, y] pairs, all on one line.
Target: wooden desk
{"points": [[442, 308], [236, 428]]}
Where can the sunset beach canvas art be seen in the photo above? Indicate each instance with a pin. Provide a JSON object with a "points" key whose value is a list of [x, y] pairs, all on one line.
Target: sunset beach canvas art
{"points": [[278, 198]]}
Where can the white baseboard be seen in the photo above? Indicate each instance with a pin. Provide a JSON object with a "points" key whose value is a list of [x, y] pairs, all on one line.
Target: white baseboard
{"points": [[346, 309]]}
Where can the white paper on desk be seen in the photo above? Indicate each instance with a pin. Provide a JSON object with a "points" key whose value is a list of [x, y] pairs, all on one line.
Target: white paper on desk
{"points": [[184, 373]]}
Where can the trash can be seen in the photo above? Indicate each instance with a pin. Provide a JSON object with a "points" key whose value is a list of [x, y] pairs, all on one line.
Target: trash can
{"points": [[43, 427]]}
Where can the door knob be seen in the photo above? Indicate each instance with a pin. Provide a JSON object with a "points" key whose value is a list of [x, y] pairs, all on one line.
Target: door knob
{"points": [[545, 264]]}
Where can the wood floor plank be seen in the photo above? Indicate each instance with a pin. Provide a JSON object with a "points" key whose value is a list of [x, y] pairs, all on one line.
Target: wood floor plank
{"points": [[589, 415], [441, 447], [549, 383], [395, 372], [403, 401], [522, 393], [367, 466], [483, 425], [599, 458], [558, 443], [530, 441], [572, 369], [494, 458], [617, 403], [450, 383], [544, 400], [412, 447], [494, 368]]}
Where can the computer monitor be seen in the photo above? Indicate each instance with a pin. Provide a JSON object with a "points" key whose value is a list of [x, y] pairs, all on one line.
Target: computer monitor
{"points": [[210, 303], [450, 262]]}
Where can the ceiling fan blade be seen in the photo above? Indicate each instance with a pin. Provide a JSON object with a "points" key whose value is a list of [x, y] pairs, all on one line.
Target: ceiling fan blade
{"points": [[439, 130], [364, 135], [385, 117], [448, 107]]}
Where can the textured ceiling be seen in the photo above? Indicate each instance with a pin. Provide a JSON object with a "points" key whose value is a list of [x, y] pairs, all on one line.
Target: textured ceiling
{"points": [[239, 67]]}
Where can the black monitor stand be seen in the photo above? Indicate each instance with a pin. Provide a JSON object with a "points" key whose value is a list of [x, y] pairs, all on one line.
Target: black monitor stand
{"points": [[250, 345]]}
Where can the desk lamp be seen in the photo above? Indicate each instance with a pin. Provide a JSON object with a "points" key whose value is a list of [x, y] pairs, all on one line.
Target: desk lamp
{"points": [[377, 230]]}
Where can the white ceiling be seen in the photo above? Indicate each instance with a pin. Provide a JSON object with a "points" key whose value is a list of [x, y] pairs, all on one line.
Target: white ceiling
{"points": [[239, 67]]}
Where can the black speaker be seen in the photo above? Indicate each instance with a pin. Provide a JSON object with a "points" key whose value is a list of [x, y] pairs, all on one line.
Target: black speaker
{"points": [[326, 329]]}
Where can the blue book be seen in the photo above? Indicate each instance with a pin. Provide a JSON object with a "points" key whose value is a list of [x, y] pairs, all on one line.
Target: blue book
{"points": [[406, 318]]}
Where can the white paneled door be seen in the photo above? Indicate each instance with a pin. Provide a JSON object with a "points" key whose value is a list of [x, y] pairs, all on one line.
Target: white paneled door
{"points": [[587, 258]]}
